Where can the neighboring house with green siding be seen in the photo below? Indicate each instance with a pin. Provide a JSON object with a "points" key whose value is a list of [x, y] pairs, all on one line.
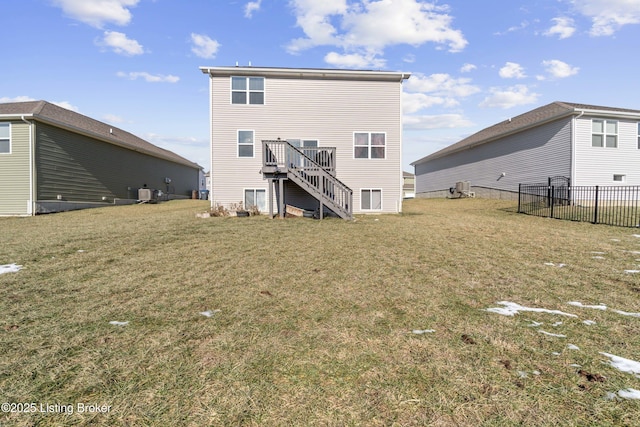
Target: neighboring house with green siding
{"points": [[53, 159]]}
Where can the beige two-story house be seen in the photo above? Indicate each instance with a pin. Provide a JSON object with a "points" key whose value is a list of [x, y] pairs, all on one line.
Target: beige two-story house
{"points": [[322, 140]]}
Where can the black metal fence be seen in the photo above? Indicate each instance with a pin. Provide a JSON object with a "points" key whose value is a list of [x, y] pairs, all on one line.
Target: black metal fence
{"points": [[611, 205]]}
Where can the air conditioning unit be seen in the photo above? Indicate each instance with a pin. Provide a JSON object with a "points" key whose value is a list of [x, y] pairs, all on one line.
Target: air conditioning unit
{"points": [[463, 187], [147, 195]]}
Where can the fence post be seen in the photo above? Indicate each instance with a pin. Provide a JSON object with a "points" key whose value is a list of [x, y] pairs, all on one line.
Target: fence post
{"points": [[595, 211], [552, 201], [519, 195]]}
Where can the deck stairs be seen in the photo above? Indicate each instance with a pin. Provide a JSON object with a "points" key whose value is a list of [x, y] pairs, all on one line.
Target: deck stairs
{"points": [[312, 169]]}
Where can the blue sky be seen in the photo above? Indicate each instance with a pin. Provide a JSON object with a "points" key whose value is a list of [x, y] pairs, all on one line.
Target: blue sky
{"points": [[134, 63]]}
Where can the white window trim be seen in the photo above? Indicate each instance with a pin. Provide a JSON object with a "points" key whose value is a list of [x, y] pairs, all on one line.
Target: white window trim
{"points": [[247, 91], [10, 144], [369, 146], [381, 200], [238, 144], [254, 189], [604, 132]]}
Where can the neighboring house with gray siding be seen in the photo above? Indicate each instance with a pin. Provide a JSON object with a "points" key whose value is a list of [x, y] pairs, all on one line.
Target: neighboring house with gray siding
{"points": [[53, 159], [590, 145], [305, 138]]}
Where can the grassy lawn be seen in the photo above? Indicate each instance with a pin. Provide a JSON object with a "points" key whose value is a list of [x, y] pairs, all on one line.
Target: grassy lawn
{"points": [[317, 320]]}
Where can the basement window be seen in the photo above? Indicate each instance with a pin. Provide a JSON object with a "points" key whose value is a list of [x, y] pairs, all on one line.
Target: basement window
{"points": [[255, 197], [619, 178], [5, 138], [370, 199], [604, 133]]}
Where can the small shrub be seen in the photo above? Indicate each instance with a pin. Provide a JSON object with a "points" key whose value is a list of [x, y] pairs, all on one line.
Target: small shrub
{"points": [[219, 210]]}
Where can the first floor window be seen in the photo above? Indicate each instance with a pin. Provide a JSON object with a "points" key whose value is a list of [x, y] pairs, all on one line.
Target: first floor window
{"points": [[245, 143], [5, 138], [369, 145], [255, 197], [370, 200], [604, 133]]}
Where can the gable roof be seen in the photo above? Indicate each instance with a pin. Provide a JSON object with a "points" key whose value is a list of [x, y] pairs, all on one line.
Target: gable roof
{"points": [[536, 117], [52, 114]]}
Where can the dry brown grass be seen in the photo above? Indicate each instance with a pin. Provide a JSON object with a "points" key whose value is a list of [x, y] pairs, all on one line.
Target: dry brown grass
{"points": [[316, 318]]}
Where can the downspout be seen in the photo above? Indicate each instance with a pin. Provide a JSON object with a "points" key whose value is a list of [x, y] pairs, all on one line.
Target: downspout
{"points": [[572, 173], [399, 202], [30, 202]]}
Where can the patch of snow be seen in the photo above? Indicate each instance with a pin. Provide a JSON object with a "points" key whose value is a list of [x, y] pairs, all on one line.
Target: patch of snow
{"points": [[624, 313], [589, 322], [511, 309], [9, 268], [209, 313], [80, 251], [557, 324], [597, 253], [579, 304], [629, 393], [632, 271], [610, 396], [597, 257], [575, 365], [522, 374], [534, 324], [535, 372], [422, 331], [115, 322], [554, 265], [555, 353], [622, 364], [573, 347], [636, 235], [615, 240], [552, 335]]}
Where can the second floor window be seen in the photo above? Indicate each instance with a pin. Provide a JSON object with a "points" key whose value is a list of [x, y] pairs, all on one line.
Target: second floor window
{"points": [[604, 133], [369, 145], [247, 90]]}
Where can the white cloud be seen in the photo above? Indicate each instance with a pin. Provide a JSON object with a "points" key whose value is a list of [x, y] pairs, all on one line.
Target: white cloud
{"points": [[558, 69], [204, 46], [150, 78], [373, 25], [354, 60], [512, 70], [608, 16], [439, 121], [509, 97], [97, 13], [120, 44], [466, 68], [441, 84], [112, 118], [563, 28], [21, 98], [251, 7], [414, 102], [513, 29], [66, 104]]}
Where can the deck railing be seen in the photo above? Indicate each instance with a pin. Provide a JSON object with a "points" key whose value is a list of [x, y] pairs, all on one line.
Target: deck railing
{"points": [[313, 169]]}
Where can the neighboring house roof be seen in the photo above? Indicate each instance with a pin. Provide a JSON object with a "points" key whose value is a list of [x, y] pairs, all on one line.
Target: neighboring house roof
{"points": [[307, 73], [52, 114], [536, 117], [407, 175]]}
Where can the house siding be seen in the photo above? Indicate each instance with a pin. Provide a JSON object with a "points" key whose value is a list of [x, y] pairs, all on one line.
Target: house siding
{"points": [[327, 110], [597, 165], [84, 169], [526, 157], [14, 173]]}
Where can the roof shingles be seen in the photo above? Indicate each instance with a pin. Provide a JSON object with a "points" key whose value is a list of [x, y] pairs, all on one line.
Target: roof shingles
{"points": [[56, 115]]}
